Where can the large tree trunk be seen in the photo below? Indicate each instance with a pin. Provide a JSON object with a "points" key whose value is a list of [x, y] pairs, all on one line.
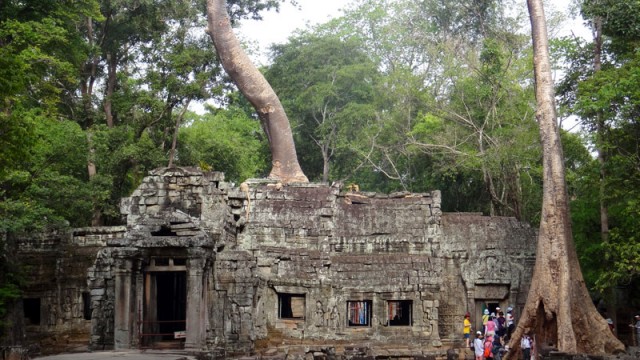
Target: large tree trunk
{"points": [[559, 310], [256, 89], [112, 63], [610, 293], [174, 141]]}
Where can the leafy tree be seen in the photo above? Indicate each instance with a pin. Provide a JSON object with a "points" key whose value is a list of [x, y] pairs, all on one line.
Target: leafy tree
{"points": [[328, 86], [601, 88], [431, 60], [38, 49], [225, 140], [486, 130]]}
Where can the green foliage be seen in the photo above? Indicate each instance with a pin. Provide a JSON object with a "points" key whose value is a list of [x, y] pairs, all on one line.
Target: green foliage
{"points": [[18, 135], [38, 52], [39, 49], [483, 138], [327, 85], [608, 103], [228, 141], [621, 19], [49, 185], [244, 9], [612, 93], [623, 249]]}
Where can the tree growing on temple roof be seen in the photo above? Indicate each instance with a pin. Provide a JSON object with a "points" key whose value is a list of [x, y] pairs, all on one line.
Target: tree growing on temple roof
{"points": [[559, 309], [256, 89]]}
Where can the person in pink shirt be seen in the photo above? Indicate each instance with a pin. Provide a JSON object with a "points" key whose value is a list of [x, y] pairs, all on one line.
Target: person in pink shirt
{"points": [[490, 329]]}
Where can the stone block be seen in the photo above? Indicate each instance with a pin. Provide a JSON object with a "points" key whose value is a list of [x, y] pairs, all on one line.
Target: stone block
{"points": [[151, 200], [97, 292]]}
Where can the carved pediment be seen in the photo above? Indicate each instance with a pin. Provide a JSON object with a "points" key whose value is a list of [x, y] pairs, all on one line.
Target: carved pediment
{"points": [[491, 267]]}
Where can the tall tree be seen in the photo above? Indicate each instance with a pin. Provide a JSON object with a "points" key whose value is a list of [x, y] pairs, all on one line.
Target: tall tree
{"points": [[562, 314], [485, 127], [327, 85], [256, 89], [600, 87], [148, 61]]}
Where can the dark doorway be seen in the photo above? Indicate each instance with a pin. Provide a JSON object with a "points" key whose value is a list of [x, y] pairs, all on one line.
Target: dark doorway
{"points": [[493, 308], [86, 305], [165, 311], [172, 302], [31, 307]]}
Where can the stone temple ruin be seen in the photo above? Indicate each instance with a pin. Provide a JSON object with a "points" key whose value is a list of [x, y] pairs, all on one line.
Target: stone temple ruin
{"points": [[206, 266]]}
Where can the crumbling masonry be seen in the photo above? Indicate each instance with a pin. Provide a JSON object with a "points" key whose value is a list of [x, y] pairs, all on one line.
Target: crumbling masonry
{"points": [[210, 267]]}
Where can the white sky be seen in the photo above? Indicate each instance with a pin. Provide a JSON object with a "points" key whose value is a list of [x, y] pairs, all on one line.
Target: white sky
{"points": [[277, 26]]}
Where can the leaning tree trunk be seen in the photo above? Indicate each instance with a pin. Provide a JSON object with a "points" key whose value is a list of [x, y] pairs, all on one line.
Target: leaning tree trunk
{"points": [[559, 310], [256, 89]]}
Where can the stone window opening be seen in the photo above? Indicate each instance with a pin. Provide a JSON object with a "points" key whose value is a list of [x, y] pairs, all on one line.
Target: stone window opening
{"points": [[359, 313], [31, 307], [164, 231], [291, 306], [167, 264], [86, 305], [399, 312]]}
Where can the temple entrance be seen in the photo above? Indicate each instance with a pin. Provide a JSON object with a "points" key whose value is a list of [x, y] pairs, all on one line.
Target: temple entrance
{"points": [[165, 306], [490, 305]]}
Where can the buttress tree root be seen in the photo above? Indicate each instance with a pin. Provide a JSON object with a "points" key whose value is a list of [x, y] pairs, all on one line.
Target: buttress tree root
{"points": [[256, 89], [559, 310]]}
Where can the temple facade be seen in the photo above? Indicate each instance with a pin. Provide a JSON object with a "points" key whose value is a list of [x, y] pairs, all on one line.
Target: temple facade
{"points": [[207, 266]]}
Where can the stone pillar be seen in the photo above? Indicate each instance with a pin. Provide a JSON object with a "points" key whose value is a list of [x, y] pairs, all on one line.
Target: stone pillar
{"points": [[196, 313], [123, 306], [136, 313]]}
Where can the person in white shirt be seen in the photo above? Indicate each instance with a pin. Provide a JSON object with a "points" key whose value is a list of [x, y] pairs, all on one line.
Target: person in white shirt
{"points": [[525, 344], [478, 346], [510, 323]]}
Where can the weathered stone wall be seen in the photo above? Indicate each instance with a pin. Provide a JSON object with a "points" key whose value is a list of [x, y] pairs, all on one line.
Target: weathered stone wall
{"points": [[336, 247], [314, 250], [56, 290], [488, 259]]}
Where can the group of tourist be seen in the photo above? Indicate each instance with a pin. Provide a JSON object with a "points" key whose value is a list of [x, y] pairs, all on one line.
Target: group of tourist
{"points": [[490, 343]]}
